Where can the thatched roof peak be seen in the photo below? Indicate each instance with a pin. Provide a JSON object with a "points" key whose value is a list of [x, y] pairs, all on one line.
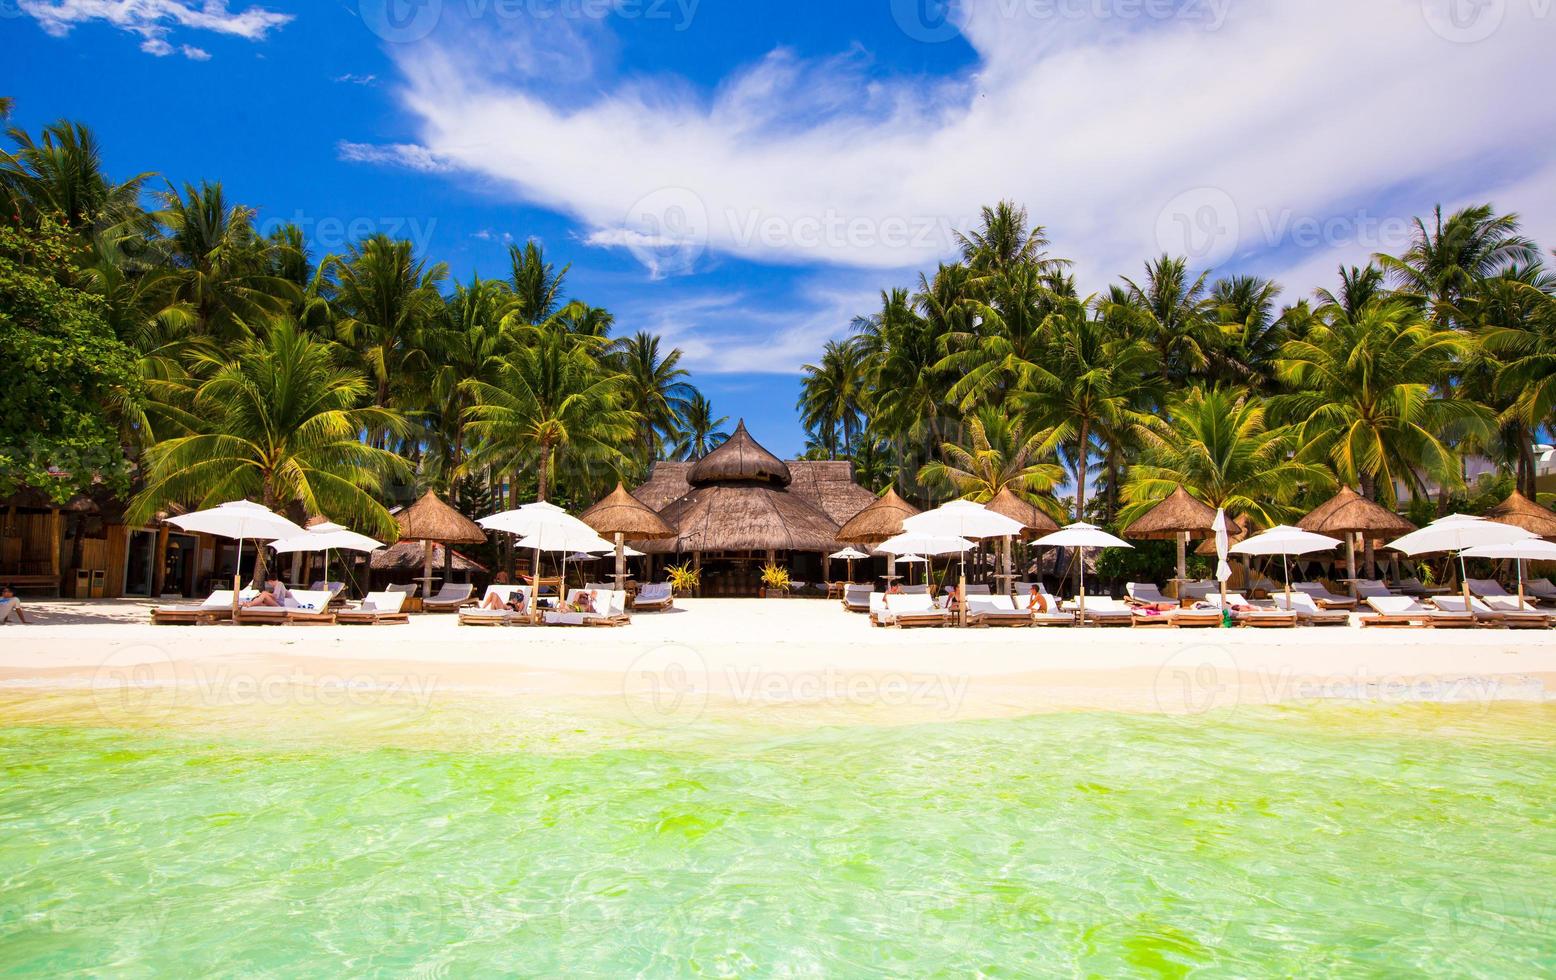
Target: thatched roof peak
{"points": [[1180, 513], [1348, 512], [430, 519], [1008, 504], [621, 513], [1520, 511], [879, 521], [740, 459]]}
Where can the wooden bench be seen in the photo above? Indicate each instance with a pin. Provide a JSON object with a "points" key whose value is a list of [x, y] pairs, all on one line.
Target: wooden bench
{"points": [[25, 582]]}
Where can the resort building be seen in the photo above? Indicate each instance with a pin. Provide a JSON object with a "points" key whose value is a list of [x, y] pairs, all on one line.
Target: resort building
{"points": [[740, 507]]}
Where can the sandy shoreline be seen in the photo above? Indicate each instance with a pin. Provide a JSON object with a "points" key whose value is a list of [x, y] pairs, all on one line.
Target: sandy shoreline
{"points": [[744, 655]]}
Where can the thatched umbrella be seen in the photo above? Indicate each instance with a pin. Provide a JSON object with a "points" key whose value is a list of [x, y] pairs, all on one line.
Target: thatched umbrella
{"points": [[430, 519], [1017, 508], [1520, 511], [1178, 518], [1348, 514], [879, 522], [627, 519]]}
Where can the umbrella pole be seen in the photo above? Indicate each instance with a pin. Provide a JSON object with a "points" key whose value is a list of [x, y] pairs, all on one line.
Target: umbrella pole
{"points": [[534, 605], [1465, 582], [237, 578], [1285, 561], [1520, 563], [961, 594]]}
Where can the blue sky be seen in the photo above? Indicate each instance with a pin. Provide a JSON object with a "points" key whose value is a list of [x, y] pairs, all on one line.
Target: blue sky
{"points": [[746, 177]]}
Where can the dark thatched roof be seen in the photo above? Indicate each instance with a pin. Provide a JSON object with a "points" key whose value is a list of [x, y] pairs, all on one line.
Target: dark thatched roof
{"points": [[408, 556], [826, 483], [621, 513], [1520, 511], [430, 519], [1008, 504], [1348, 512], [740, 458], [879, 521], [1179, 514], [744, 517]]}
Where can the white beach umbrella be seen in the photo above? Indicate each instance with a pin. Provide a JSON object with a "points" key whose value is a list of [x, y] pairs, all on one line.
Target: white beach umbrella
{"points": [[1528, 549], [909, 543], [543, 527], [1223, 568], [1456, 533], [237, 519], [1286, 541], [962, 519], [326, 537], [849, 555], [1082, 536]]}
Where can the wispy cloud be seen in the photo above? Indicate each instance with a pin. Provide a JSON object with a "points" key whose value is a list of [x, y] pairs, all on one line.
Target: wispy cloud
{"points": [[1115, 130], [350, 79], [155, 20], [397, 154]]}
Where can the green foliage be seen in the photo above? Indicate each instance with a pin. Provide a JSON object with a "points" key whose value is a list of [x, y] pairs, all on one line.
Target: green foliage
{"points": [[684, 579], [1147, 561], [776, 578], [60, 369]]}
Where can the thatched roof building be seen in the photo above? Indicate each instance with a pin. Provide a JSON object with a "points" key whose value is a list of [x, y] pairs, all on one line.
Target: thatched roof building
{"points": [[1348, 512], [1520, 511], [408, 556], [1008, 504], [623, 514], [878, 522], [1179, 513], [430, 519], [742, 498]]}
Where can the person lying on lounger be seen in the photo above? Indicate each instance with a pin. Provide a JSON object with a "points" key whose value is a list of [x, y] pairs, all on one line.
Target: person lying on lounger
{"points": [[275, 594], [585, 603], [514, 602], [10, 606]]}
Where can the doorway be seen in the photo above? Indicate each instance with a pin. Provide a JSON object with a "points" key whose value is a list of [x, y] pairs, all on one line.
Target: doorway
{"points": [[139, 560]]}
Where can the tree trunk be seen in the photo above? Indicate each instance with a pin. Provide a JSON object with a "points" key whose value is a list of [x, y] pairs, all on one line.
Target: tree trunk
{"points": [[1526, 463], [1082, 457], [545, 467]]}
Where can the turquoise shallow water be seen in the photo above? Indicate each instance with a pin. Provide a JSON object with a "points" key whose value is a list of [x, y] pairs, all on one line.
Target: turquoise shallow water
{"points": [[1330, 840]]}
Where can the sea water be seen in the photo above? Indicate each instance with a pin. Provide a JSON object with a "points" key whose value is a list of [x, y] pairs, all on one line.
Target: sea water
{"points": [[1331, 839]]}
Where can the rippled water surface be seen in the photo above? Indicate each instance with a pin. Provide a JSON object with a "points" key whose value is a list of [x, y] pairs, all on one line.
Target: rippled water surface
{"points": [[1336, 840]]}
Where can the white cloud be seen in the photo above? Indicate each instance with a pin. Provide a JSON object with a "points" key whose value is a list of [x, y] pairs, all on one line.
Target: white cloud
{"points": [[397, 154], [1095, 122], [154, 20], [351, 79]]}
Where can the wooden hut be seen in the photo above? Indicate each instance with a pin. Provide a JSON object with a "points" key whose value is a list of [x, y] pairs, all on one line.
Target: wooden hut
{"points": [[1180, 517], [1347, 514], [621, 517], [1520, 511], [740, 506]]}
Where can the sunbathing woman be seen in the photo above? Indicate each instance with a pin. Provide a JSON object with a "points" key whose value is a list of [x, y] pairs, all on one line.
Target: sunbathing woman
{"points": [[275, 594], [514, 602]]}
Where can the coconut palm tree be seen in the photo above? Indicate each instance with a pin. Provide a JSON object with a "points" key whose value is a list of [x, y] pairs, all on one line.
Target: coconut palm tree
{"points": [[1252, 332], [550, 397], [281, 423], [537, 285], [1218, 444], [698, 433], [217, 264], [1175, 315], [832, 395], [1368, 397], [656, 390], [1515, 315], [1006, 240], [385, 299], [1001, 353], [1445, 259], [1001, 454], [61, 173]]}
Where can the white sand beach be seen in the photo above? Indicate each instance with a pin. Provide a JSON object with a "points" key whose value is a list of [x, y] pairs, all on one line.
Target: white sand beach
{"points": [[796, 652]]}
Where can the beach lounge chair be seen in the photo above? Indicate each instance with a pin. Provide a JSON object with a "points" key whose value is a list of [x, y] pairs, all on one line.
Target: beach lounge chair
{"points": [[984, 590], [1103, 610], [1368, 589], [410, 588], [1541, 590], [217, 608], [1189, 619], [916, 590], [303, 607], [376, 609], [1322, 596], [654, 597], [1258, 582], [1405, 611], [1308, 613], [1245, 613], [450, 598], [1147, 596], [611, 610], [479, 615], [1485, 615], [1199, 591], [1489, 588], [999, 610], [912, 612], [856, 598], [1415, 588]]}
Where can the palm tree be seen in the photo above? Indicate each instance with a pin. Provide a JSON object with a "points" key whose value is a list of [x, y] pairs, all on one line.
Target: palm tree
{"points": [[217, 263], [1217, 444], [1001, 455], [698, 432], [656, 390], [464, 343], [281, 422], [1367, 397], [1175, 315], [1252, 332], [61, 173], [832, 395], [385, 299], [1006, 240], [537, 285], [549, 396], [1444, 261], [1515, 314], [1001, 353]]}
